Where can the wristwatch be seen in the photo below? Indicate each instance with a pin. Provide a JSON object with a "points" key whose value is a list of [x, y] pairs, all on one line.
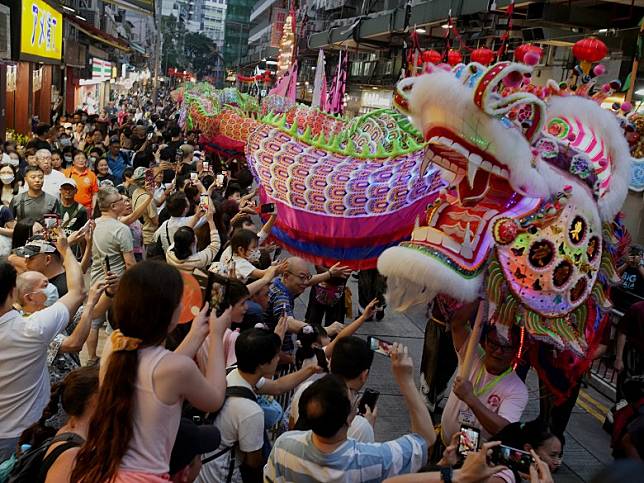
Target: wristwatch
{"points": [[446, 474]]}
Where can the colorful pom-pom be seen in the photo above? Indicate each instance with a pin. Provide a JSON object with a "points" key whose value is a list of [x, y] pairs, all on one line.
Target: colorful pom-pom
{"points": [[599, 69]]}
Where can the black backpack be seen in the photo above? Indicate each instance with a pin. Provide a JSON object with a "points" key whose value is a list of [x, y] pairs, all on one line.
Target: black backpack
{"points": [[32, 466]]}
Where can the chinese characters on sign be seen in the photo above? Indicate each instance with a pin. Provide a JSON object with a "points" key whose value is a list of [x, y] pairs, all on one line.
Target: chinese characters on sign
{"points": [[41, 34]]}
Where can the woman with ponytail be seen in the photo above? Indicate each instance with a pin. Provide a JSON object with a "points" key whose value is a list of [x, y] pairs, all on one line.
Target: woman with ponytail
{"points": [[143, 385]]}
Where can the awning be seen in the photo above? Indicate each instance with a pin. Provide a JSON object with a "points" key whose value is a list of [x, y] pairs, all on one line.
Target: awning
{"points": [[97, 34], [138, 48]]}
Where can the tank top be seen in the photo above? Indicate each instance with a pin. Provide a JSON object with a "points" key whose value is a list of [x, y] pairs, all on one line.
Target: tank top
{"points": [[155, 424]]}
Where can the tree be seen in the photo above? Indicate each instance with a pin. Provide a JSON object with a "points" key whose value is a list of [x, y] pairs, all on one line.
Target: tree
{"points": [[201, 52], [173, 32]]}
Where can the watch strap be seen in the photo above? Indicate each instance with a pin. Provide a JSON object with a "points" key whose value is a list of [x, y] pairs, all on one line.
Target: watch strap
{"points": [[446, 474]]}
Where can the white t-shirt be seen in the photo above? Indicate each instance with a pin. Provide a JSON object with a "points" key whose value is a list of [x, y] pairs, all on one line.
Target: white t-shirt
{"points": [[507, 398], [168, 228], [360, 429], [261, 238], [240, 421], [24, 380]]}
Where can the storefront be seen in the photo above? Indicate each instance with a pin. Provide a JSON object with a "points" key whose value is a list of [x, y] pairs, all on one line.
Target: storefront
{"points": [[36, 47], [93, 94]]}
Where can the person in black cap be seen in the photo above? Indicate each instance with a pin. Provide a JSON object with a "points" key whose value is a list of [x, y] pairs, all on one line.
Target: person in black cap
{"points": [[192, 441]]}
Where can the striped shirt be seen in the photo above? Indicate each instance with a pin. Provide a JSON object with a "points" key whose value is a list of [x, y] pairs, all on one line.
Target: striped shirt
{"points": [[280, 301], [295, 458]]}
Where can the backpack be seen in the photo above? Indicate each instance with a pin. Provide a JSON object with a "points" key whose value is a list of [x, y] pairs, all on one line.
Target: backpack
{"points": [[231, 391], [32, 466]]}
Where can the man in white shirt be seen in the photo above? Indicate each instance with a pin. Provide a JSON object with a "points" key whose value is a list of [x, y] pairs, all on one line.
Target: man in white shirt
{"points": [[351, 361], [53, 179], [493, 395], [24, 380], [240, 420]]}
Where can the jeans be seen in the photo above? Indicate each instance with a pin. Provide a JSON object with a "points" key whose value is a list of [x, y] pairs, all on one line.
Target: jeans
{"points": [[7, 448]]}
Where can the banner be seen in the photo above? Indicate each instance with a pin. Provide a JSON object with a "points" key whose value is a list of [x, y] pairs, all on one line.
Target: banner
{"points": [[41, 32]]}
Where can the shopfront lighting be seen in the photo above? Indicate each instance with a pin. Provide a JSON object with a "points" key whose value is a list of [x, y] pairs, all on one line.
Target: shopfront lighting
{"points": [[81, 18], [446, 26], [69, 9], [421, 31]]}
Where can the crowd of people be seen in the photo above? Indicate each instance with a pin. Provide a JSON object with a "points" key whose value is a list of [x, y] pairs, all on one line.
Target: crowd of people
{"points": [[102, 218]]}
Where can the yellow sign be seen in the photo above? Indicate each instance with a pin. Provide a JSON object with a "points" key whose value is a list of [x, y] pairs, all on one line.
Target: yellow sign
{"points": [[41, 31]]}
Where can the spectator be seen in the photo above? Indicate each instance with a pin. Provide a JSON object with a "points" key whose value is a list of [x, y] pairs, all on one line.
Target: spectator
{"points": [[243, 247], [41, 256], [77, 394], [9, 184], [192, 441], [256, 307], [78, 136], [150, 215], [52, 179], [183, 252], [127, 186], [57, 160], [85, 180], [491, 396], [23, 349], [34, 202], [130, 219], [177, 205], [39, 141], [285, 289], [103, 174], [529, 436], [116, 160], [73, 215], [241, 420], [145, 383], [632, 287], [327, 301], [629, 357], [324, 453], [351, 360]]}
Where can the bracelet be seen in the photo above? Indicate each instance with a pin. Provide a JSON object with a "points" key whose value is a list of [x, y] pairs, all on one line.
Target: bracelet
{"points": [[446, 474]]}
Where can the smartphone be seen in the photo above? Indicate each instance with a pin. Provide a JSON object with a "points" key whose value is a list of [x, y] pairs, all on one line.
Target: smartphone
{"points": [[106, 264], [369, 398], [150, 134], [193, 177], [219, 180], [206, 165], [204, 200], [51, 221], [469, 440], [149, 178], [380, 346], [515, 459], [267, 208]]}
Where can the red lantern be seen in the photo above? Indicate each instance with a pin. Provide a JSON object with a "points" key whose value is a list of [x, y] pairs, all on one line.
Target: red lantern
{"points": [[521, 50], [590, 50], [483, 56], [454, 57], [432, 57]]}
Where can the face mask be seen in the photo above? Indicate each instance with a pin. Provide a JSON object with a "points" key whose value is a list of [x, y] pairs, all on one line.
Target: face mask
{"points": [[68, 159], [65, 142], [52, 295], [7, 178], [254, 256], [92, 159]]}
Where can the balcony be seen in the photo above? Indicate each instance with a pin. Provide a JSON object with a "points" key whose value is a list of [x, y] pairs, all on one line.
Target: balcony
{"points": [[260, 8]]}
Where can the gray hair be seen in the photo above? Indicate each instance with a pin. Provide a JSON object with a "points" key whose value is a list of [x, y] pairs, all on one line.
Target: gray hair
{"points": [[43, 153], [104, 195]]}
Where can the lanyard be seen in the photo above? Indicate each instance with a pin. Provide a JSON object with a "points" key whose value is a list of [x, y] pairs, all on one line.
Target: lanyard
{"points": [[490, 384]]}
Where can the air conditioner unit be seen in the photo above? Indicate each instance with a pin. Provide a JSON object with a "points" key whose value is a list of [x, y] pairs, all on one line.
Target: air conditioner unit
{"points": [[5, 31]]}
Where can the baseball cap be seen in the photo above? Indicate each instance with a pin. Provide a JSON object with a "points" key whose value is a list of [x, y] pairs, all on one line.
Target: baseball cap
{"points": [[192, 440], [69, 181], [197, 154], [35, 246], [115, 140], [139, 173], [67, 125]]}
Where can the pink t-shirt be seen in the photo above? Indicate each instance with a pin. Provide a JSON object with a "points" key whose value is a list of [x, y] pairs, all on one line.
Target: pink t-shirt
{"points": [[507, 398], [230, 336]]}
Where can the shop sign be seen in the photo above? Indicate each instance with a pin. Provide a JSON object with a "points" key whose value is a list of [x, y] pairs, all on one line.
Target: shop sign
{"points": [[5, 32], [41, 32], [11, 78], [101, 70]]}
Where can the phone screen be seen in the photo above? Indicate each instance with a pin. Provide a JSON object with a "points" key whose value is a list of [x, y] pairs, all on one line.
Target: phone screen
{"points": [[380, 346], [205, 165], [469, 440], [219, 180], [369, 398], [51, 221], [204, 200], [268, 208], [515, 459]]}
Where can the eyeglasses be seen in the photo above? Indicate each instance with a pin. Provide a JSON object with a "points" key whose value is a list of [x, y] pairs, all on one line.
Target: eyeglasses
{"points": [[496, 347], [304, 277]]}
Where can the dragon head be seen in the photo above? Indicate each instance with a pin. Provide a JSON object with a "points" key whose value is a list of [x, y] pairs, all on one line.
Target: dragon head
{"points": [[532, 174]]}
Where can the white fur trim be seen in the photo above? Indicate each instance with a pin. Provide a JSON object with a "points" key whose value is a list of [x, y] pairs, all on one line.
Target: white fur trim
{"points": [[607, 127], [414, 278]]}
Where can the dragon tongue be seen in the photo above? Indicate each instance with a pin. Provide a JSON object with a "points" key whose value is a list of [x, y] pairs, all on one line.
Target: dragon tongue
{"points": [[472, 190]]}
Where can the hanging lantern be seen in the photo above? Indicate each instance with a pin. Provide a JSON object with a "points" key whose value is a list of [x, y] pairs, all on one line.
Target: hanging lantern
{"points": [[589, 50], [454, 57], [482, 55], [521, 51], [432, 57]]}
